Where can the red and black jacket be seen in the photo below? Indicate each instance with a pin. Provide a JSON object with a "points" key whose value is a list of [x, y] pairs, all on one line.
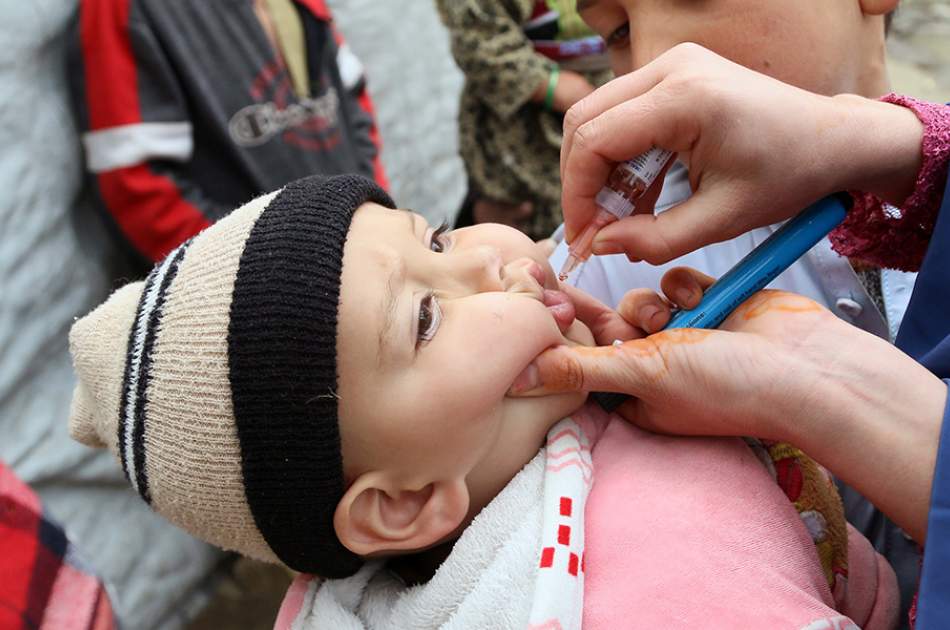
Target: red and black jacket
{"points": [[187, 112]]}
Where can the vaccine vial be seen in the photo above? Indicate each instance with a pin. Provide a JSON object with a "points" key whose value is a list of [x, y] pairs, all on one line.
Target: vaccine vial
{"points": [[630, 180], [617, 199]]}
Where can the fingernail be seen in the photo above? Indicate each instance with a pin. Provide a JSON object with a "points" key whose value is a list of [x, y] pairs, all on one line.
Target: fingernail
{"points": [[647, 314], [606, 247], [684, 296], [526, 381]]}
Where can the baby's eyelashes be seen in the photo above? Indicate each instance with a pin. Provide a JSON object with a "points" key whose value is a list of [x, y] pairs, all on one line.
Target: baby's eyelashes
{"points": [[429, 318], [438, 239]]}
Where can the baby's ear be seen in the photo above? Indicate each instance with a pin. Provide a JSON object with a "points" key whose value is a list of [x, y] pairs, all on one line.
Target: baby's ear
{"points": [[377, 517]]}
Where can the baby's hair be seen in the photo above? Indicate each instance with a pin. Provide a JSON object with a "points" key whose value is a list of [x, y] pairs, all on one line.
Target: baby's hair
{"points": [[887, 21]]}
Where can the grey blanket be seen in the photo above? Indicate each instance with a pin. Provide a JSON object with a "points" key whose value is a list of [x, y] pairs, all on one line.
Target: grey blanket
{"points": [[51, 270]]}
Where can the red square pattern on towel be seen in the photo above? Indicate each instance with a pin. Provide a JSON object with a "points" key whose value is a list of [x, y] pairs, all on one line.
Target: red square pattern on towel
{"points": [[565, 506], [564, 535], [547, 557], [572, 564]]}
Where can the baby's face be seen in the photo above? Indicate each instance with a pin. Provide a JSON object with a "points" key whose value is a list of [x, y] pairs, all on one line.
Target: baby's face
{"points": [[824, 46], [433, 329]]}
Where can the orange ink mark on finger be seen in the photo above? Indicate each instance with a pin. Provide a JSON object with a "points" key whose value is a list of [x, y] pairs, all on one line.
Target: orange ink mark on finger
{"points": [[770, 301], [680, 336], [564, 373], [562, 370]]}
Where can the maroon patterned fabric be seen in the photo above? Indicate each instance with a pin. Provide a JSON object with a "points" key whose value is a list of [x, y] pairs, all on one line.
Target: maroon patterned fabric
{"points": [[898, 237]]}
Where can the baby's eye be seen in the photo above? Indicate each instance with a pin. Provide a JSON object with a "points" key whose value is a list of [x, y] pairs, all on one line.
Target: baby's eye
{"points": [[619, 37], [430, 316], [438, 242]]}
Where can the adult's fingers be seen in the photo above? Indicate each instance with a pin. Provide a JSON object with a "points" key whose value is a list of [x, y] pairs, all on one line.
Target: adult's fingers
{"points": [[610, 95], [605, 323], [645, 309], [699, 221], [635, 367], [684, 286], [662, 120], [650, 312]]}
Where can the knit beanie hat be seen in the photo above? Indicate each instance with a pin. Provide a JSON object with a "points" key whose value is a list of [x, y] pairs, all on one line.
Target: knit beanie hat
{"points": [[214, 381]]}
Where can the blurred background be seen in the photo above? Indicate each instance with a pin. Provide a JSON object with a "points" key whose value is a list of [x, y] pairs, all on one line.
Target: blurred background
{"points": [[919, 48], [55, 264]]}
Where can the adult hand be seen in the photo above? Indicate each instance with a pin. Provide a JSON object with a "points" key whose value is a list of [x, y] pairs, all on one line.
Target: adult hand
{"points": [[780, 367], [571, 88], [758, 150]]}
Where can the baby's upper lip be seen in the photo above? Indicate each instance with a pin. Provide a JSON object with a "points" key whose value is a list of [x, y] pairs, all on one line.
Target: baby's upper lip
{"points": [[537, 272]]}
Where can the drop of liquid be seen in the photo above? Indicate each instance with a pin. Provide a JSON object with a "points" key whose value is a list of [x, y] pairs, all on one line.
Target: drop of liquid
{"points": [[562, 277]]}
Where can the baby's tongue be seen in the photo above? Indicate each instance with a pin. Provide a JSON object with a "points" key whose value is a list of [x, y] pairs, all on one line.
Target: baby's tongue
{"points": [[561, 308]]}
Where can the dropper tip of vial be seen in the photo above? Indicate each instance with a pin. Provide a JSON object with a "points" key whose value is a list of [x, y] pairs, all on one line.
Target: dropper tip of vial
{"points": [[570, 265]]}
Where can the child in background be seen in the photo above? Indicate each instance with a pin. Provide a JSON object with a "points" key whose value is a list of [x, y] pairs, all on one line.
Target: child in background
{"points": [[191, 108], [525, 63], [321, 380]]}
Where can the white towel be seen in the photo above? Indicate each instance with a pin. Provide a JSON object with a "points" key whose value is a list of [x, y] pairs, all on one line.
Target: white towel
{"points": [[519, 564]]}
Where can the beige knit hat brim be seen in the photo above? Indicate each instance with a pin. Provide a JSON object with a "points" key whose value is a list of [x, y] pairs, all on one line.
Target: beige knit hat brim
{"points": [[193, 468]]}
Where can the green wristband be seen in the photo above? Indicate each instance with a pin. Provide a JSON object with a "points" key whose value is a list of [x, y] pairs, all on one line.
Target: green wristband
{"points": [[552, 84]]}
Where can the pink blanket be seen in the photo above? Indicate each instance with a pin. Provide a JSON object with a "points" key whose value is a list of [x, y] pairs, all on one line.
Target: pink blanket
{"points": [[676, 533], [693, 533]]}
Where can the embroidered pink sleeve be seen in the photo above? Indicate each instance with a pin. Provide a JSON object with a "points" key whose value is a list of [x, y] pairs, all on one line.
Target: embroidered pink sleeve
{"points": [[897, 238]]}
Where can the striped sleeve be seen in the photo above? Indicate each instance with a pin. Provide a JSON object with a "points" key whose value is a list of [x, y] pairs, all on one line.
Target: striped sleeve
{"points": [[357, 100], [137, 134]]}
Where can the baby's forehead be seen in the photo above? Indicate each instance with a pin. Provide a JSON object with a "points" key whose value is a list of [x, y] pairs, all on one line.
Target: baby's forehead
{"points": [[378, 236], [372, 280]]}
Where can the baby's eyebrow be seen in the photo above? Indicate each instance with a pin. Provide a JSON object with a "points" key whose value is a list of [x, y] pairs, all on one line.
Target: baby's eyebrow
{"points": [[412, 219], [397, 279]]}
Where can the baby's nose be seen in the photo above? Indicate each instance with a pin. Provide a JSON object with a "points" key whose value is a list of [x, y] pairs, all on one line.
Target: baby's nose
{"points": [[482, 266], [523, 275]]}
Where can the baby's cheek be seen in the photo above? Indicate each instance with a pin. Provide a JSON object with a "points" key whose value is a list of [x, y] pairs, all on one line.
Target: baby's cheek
{"points": [[507, 333]]}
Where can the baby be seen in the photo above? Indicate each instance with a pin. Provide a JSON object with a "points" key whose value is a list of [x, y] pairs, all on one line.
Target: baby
{"points": [[320, 380]]}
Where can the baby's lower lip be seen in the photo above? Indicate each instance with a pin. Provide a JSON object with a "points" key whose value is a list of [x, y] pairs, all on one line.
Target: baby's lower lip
{"points": [[561, 308]]}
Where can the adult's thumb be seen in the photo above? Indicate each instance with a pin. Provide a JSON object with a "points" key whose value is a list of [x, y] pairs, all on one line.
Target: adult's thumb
{"points": [[632, 367]]}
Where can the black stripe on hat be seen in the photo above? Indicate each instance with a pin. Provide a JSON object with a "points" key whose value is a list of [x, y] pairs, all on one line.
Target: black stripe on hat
{"points": [[283, 368], [138, 365]]}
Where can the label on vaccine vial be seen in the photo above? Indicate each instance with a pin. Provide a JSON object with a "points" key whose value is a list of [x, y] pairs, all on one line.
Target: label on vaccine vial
{"points": [[629, 180], [648, 165], [614, 202]]}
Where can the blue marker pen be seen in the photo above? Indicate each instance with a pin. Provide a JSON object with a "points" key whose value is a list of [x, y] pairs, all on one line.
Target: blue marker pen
{"points": [[755, 271]]}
